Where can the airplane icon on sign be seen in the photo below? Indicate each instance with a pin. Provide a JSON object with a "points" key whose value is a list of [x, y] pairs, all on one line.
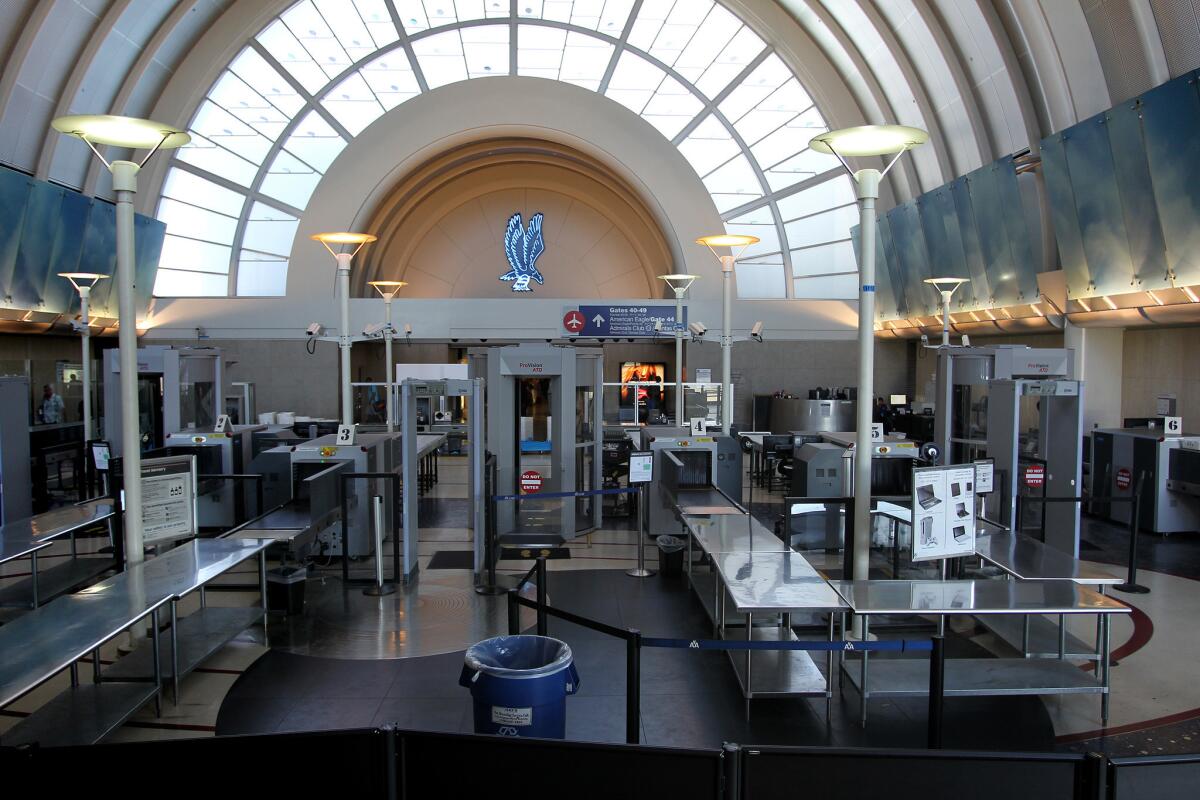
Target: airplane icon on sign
{"points": [[573, 321]]}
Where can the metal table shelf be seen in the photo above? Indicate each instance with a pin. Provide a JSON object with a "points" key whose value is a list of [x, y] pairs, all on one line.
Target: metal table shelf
{"points": [[777, 673], [976, 677], [200, 634], [32, 535], [83, 714]]}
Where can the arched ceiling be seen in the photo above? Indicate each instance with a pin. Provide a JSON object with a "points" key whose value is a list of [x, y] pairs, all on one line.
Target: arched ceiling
{"points": [[985, 77]]}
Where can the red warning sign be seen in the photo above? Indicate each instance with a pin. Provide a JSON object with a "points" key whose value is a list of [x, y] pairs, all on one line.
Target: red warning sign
{"points": [[1035, 476], [573, 321], [531, 481], [1124, 478]]}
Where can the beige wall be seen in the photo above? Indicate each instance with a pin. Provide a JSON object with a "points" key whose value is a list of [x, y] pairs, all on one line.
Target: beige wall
{"points": [[1162, 361]]}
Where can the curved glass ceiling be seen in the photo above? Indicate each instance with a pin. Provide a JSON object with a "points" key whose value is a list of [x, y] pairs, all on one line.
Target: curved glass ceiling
{"points": [[324, 70]]}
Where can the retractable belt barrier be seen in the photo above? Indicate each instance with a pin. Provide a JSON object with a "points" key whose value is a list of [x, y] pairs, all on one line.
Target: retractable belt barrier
{"points": [[586, 493], [896, 645]]}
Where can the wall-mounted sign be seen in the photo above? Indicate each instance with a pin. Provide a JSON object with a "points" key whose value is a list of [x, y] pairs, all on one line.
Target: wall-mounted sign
{"points": [[522, 248], [633, 320]]}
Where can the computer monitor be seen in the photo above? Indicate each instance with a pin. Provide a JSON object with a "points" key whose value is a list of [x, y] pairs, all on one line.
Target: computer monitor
{"points": [[898, 400]]}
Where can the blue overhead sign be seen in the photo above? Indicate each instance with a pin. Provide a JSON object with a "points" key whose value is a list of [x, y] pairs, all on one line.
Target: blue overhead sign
{"points": [[625, 320]]}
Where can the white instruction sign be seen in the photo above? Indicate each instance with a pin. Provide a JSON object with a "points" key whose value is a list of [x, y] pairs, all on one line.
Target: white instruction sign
{"points": [[1173, 426], [985, 476], [876, 431], [641, 467], [703, 376], [943, 512], [168, 498], [502, 715], [346, 434]]}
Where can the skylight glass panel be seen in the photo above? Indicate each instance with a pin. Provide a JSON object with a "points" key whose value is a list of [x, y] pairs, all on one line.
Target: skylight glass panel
{"points": [[391, 79], [714, 33], [225, 130], [761, 223], [441, 12], [292, 56], [254, 70], [827, 226], [773, 112], [678, 29], [412, 15], [671, 108], [261, 275], [759, 281], [486, 50], [174, 283], [377, 18], [529, 9], [196, 223], [441, 59], [556, 10], [204, 154], [309, 27], [314, 142], [804, 165], [758, 85], [824, 259], [827, 287], [585, 60], [495, 9], [649, 22], [232, 94], [733, 184], [709, 146], [348, 28], [465, 9], [190, 188], [353, 104], [179, 252], [586, 13], [269, 230], [837, 191], [540, 51], [741, 50], [290, 180], [614, 16], [634, 82]]}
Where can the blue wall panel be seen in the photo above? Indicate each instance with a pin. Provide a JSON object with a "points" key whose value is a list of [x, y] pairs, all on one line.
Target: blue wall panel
{"points": [[939, 220], [1098, 205], [1143, 230], [1060, 196], [1171, 124], [968, 233]]}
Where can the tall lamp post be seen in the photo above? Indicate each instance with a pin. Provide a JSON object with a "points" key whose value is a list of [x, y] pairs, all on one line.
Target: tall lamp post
{"points": [[866, 140], [737, 244], [679, 283], [946, 288], [343, 279], [83, 283], [133, 134], [388, 290]]}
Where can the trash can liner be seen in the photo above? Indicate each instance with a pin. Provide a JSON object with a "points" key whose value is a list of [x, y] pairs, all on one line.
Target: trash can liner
{"points": [[670, 544], [518, 656]]}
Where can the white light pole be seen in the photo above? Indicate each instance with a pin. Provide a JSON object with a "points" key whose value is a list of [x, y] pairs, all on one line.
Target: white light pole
{"points": [[134, 134], [679, 283], [83, 283], [388, 290], [946, 288], [866, 140], [737, 244], [345, 340]]}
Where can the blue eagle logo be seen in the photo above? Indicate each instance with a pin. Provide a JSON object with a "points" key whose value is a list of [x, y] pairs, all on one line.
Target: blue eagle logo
{"points": [[522, 248]]}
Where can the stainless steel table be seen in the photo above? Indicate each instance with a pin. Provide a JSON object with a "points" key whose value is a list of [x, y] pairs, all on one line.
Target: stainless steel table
{"points": [[976, 677], [782, 583], [29, 536], [1024, 558], [723, 534]]}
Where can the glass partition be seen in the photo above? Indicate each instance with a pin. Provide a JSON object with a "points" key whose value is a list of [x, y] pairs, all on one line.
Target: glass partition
{"points": [[653, 403]]}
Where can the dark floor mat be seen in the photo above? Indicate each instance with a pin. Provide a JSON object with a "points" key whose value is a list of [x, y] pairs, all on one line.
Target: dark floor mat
{"points": [[452, 559]]}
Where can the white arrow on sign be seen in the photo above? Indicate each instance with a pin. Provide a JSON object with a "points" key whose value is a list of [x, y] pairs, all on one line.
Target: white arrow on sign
{"points": [[599, 320]]}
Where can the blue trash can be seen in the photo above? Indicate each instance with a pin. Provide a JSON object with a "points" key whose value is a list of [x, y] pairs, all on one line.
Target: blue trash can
{"points": [[520, 685]]}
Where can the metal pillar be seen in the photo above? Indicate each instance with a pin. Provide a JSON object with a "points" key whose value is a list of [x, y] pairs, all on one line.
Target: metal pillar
{"points": [[679, 334], [85, 336], [867, 185], [727, 342], [124, 175], [345, 341], [388, 365]]}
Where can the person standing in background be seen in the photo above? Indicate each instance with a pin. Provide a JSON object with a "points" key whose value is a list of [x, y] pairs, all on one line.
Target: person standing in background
{"points": [[52, 406]]}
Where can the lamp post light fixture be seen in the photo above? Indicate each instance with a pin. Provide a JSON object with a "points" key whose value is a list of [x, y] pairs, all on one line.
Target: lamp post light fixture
{"points": [[388, 290], [946, 288], [343, 282], [83, 283], [679, 283], [866, 140], [737, 244], [133, 134]]}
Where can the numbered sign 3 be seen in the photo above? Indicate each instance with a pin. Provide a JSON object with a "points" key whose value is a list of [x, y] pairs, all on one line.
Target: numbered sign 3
{"points": [[346, 434]]}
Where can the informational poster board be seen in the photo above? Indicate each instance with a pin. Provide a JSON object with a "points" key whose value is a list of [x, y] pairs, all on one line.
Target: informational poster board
{"points": [[943, 512], [100, 455], [985, 476], [168, 498], [641, 467]]}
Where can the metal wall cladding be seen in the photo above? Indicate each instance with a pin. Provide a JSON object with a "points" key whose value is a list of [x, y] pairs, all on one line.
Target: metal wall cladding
{"points": [[46, 229], [974, 228], [1124, 193]]}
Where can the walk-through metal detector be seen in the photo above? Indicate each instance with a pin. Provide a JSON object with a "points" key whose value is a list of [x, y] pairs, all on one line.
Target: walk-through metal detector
{"points": [[179, 389], [545, 426], [471, 389]]}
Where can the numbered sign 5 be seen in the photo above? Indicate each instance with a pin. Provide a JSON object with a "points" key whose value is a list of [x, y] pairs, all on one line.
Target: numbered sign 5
{"points": [[346, 433]]}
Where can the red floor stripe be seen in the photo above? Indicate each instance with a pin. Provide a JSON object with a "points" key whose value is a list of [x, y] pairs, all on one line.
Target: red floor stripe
{"points": [[1132, 727]]}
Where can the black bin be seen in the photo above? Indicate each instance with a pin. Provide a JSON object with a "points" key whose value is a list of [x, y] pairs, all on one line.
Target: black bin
{"points": [[670, 556], [285, 589]]}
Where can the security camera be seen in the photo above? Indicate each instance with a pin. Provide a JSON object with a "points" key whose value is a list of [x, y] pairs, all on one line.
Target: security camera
{"points": [[658, 326], [966, 340], [697, 328], [78, 326], [315, 329], [407, 329], [924, 340], [375, 329], [756, 332]]}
